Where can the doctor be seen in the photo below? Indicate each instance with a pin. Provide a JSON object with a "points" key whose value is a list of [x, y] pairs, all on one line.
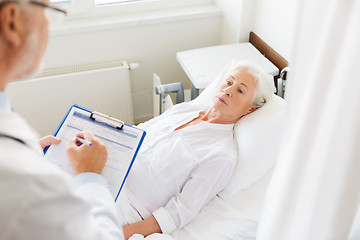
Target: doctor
{"points": [[37, 200]]}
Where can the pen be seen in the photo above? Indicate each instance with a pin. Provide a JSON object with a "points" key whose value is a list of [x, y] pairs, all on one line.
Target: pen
{"points": [[83, 141]]}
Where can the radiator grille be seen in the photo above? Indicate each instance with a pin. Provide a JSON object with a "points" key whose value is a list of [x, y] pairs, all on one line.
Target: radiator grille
{"points": [[82, 69]]}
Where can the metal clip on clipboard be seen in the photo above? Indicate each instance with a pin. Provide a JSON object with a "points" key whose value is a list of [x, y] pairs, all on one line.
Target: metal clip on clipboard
{"points": [[107, 119]]}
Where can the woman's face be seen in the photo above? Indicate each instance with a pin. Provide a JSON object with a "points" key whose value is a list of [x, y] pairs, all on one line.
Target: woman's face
{"points": [[235, 96]]}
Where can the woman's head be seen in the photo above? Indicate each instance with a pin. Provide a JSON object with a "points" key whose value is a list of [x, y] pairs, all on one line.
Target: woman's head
{"points": [[244, 89]]}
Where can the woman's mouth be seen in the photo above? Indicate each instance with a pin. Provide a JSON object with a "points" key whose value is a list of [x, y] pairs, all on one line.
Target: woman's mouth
{"points": [[222, 100]]}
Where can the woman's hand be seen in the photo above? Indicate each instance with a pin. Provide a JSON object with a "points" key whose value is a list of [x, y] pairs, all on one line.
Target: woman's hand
{"points": [[48, 140]]}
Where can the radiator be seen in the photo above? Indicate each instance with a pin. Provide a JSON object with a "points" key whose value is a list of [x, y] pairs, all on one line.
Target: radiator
{"points": [[44, 100]]}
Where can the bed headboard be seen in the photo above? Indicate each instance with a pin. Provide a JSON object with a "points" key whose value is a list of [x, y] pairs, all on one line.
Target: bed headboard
{"points": [[273, 57], [268, 52]]}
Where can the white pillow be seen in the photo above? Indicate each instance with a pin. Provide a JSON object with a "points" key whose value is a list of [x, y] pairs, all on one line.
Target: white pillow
{"points": [[258, 138]]}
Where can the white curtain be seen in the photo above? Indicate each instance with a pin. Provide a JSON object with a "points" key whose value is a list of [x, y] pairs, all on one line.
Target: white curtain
{"points": [[314, 193]]}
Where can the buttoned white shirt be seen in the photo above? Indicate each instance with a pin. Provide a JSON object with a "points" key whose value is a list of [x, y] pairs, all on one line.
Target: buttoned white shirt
{"points": [[178, 172]]}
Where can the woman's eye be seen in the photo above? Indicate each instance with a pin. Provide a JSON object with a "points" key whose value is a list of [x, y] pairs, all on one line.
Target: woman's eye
{"points": [[240, 91], [228, 82]]}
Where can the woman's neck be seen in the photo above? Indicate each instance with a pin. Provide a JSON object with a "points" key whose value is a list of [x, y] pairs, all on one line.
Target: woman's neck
{"points": [[213, 116]]}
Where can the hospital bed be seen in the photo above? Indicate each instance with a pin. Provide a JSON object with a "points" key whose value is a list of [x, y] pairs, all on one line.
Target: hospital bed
{"points": [[235, 212]]}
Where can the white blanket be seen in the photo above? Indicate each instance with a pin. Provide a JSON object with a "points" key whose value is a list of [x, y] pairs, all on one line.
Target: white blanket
{"points": [[223, 219]]}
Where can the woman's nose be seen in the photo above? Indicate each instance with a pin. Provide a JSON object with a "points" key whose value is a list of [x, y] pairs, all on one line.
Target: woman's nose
{"points": [[228, 91]]}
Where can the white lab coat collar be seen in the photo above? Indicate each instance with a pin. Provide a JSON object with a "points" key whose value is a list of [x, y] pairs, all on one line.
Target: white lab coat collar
{"points": [[14, 125]]}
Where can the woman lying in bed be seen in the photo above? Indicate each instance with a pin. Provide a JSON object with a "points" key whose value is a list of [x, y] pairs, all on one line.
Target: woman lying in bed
{"points": [[189, 155]]}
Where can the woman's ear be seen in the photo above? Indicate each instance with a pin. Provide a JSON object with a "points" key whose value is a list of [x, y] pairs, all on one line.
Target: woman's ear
{"points": [[252, 109], [10, 23]]}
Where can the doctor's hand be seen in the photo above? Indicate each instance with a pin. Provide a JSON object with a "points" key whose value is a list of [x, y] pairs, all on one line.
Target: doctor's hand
{"points": [[48, 140], [85, 158]]}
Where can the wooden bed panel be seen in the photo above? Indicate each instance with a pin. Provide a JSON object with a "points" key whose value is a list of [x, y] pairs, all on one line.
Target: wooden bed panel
{"points": [[268, 52]]}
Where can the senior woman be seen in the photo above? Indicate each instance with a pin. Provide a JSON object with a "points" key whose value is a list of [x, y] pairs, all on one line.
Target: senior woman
{"points": [[189, 155]]}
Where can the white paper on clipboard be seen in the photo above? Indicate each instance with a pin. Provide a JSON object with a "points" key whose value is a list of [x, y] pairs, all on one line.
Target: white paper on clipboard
{"points": [[122, 145]]}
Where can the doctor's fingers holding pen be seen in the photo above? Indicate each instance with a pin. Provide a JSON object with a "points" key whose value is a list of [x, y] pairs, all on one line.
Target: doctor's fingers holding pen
{"points": [[86, 153]]}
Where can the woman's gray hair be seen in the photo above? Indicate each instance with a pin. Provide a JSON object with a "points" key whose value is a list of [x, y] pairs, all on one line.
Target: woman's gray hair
{"points": [[265, 87]]}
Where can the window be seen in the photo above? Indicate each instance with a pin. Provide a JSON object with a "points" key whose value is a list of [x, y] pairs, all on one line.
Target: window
{"points": [[90, 8], [59, 1], [105, 2]]}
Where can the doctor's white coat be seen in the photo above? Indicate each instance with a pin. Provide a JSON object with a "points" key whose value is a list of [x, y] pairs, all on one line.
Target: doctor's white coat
{"points": [[38, 201]]}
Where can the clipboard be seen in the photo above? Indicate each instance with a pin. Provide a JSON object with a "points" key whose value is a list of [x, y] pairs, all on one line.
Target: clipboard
{"points": [[121, 140]]}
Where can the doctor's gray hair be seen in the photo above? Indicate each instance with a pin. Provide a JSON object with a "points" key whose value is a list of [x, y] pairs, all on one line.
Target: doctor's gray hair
{"points": [[265, 87], [20, 2], [15, 1]]}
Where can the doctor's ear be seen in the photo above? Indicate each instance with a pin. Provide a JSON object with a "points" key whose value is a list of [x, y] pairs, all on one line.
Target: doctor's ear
{"points": [[11, 23]]}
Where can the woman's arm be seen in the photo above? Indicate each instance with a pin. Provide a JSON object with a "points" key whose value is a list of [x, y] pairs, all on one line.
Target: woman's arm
{"points": [[145, 227], [205, 182]]}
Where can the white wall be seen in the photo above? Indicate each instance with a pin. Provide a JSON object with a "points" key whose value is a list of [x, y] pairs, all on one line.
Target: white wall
{"points": [[231, 20], [275, 23], [153, 46], [272, 20]]}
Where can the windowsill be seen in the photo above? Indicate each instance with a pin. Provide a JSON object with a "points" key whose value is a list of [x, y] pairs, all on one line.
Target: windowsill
{"points": [[130, 20]]}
